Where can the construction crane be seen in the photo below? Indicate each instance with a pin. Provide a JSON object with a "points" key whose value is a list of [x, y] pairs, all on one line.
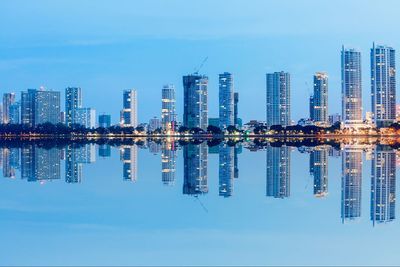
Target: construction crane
{"points": [[196, 70]]}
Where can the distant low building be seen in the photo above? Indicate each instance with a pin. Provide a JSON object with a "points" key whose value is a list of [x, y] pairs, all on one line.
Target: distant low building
{"points": [[85, 117], [104, 120], [213, 122], [333, 118], [154, 124]]}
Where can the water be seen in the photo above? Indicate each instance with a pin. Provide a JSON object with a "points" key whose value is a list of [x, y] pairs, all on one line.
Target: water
{"points": [[170, 203]]}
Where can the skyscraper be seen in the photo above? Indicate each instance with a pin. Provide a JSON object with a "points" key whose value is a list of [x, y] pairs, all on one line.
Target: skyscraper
{"points": [[85, 117], [104, 120], [129, 116], [8, 101], [320, 99], [236, 109], [195, 98], [226, 100], [383, 184], [351, 183], [351, 87], [168, 107], [14, 113], [278, 171], [278, 99], [40, 106], [383, 85], [73, 101]]}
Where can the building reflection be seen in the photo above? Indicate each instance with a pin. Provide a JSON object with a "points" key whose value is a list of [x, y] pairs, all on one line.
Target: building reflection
{"points": [[10, 161], [75, 157], [195, 159], [278, 171], [319, 170], [226, 169], [40, 164], [129, 155], [104, 151], [168, 163], [383, 185], [351, 183]]}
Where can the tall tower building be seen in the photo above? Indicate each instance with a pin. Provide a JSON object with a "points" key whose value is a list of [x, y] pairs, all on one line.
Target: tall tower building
{"points": [[195, 99], [73, 101], [278, 172], [351, 87], [236, 109], [320, 98], [383, 185], [129, 116], [383, 85], [351, 183], [8, 101], [168, 107], [40, 106], [226, 100], [278, 99]]}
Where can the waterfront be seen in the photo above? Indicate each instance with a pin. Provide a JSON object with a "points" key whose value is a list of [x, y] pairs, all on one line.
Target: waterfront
{"points": [[176, 202]]}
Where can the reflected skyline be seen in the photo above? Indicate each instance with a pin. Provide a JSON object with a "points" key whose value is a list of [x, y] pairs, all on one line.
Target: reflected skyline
{"points": [[39, 164]]}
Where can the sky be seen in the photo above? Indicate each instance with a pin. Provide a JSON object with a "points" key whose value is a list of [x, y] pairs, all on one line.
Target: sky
{"points": [[108, 46]]}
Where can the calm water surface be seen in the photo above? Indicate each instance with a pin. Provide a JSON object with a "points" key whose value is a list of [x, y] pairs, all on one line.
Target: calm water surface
{"points": [[172, 204]]}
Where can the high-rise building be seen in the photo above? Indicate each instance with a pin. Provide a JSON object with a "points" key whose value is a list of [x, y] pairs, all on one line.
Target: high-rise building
{"points": [[73, 101], [40, 106], [14, 113], [226, 100], [195, 159], [383, 184], [320, 99], [104, 120], [129, 116], [319, 159], [195, 98], [278, 99], [351, 183], [383, 85], [311, 107], [168, 107], [8, 101], [236, 109], [226, 169], [154, 124], [278, 171], [351, 87], [85, 117]]}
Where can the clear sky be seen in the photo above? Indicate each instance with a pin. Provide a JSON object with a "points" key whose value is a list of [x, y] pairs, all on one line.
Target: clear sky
{"points": [[107, 46]]}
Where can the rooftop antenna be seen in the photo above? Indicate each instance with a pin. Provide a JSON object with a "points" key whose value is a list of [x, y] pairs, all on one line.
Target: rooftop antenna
{"points": [[201, 204], [196, 70]]}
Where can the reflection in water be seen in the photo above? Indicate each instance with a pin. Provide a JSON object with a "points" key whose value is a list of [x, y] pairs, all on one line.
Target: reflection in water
{"points": [[319, 170], [129, 155], [195, 169], [278, 171], [226, 170], [168, 163], [351, 182], [41, 163], [383, 185]]}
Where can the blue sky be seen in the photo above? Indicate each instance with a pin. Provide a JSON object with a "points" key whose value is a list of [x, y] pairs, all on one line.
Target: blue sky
{"points": [[107, 46]]}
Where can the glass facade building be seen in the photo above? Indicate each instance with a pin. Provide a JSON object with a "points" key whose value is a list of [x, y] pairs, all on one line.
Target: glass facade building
{"points": [[226, 100], [195, 99], [278, 99], [73, 101], [351, 86], [278, 171], [168, 107], [129, 116], [383, 85]]}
